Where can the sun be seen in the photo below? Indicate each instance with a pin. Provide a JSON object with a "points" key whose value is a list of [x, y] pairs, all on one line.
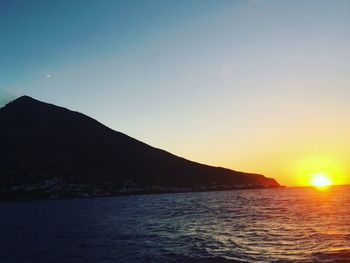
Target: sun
{"points": [[321, 180], [319, 171]]}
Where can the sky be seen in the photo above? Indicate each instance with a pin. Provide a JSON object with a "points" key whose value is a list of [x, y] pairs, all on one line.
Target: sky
{"points": [[253, 85]]}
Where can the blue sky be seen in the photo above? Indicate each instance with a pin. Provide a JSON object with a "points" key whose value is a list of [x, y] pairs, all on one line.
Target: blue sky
{"points": [[251, 85]]}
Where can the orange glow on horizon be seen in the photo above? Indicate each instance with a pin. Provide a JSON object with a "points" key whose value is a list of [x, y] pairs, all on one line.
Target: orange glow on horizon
{"points": [[318, 171], [321, 180]]}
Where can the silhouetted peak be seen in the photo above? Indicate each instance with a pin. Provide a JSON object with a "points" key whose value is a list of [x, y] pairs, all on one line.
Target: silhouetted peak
{"points": [[25, 97], [27, 108], [55, 151], [24, 100]]}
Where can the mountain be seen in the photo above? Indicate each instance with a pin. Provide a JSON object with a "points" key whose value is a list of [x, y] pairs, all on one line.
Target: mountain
{"points": [[50, 151]]}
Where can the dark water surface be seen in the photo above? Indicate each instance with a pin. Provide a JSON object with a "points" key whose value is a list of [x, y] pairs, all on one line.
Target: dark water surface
{"points": [[267, 225]]}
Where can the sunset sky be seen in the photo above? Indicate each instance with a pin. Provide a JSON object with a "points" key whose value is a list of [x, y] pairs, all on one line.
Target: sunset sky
{"points": [[253, 85]]}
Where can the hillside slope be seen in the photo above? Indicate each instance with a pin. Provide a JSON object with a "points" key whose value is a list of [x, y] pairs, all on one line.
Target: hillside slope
{"points": [[49, 151]]}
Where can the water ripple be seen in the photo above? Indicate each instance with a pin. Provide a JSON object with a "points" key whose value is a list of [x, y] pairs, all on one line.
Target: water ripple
{"points": [[266, 225]]}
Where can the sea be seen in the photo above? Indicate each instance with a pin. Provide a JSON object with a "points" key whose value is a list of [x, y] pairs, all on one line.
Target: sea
{"points": [[264, 225]]}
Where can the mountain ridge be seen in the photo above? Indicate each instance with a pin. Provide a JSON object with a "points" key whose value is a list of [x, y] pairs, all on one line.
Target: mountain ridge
{"points": [[47, 150]]}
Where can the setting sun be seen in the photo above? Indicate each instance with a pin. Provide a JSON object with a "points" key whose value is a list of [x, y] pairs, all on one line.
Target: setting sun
{"points": [[319, 170], [321, 180]]}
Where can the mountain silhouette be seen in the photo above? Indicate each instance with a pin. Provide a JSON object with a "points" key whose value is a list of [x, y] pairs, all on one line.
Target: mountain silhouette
{"points": [[50, 151]]}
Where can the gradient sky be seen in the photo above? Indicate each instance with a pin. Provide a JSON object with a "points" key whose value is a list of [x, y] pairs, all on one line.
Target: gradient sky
{"points": [[253, 85]]}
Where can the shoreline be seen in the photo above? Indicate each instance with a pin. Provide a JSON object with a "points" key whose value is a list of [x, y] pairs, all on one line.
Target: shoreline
{"points": [[145, 192]]}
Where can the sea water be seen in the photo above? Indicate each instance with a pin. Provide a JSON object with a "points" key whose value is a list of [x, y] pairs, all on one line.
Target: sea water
{"points": [[264, 225]]}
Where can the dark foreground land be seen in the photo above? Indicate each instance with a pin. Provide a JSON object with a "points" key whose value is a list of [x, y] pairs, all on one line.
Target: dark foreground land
{"points": [[50, 152]]}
